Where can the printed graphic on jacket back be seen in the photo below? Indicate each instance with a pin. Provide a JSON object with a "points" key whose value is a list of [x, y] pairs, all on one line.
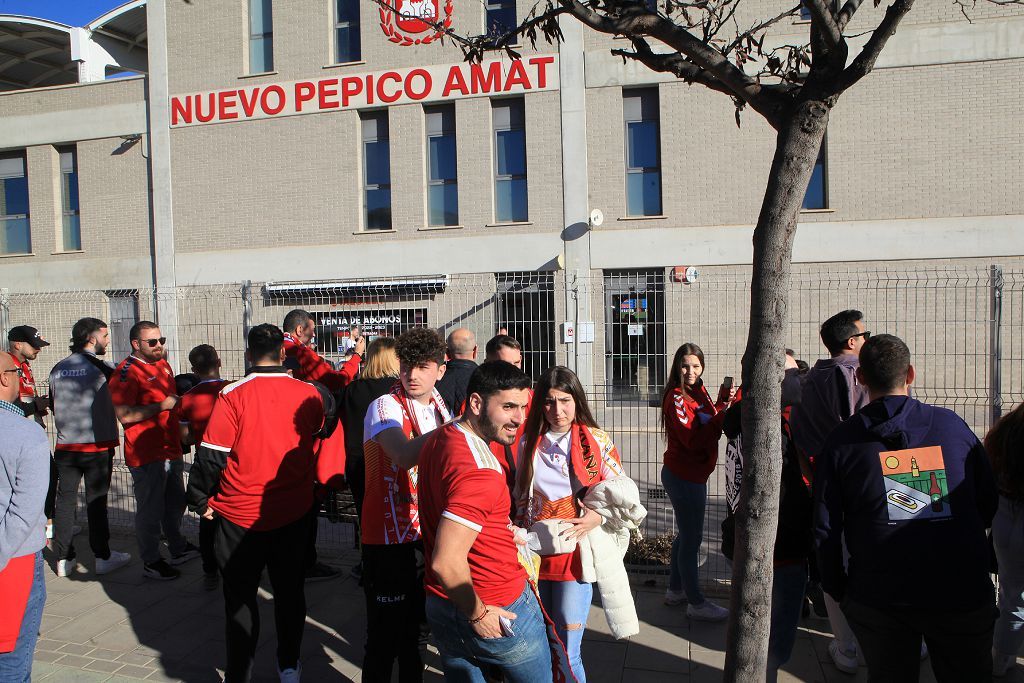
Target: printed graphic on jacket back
{"points": [[915, 483]]}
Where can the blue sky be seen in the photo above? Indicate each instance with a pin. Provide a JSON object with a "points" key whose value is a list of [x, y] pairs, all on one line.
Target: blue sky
{"points": [[73, 12]]}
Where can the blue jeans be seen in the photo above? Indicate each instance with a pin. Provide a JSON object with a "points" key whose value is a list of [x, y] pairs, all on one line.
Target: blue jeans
{"points": [[788, 585], [688, 502], [159, 502], [568, 602], [16, 666], [522, 658]]}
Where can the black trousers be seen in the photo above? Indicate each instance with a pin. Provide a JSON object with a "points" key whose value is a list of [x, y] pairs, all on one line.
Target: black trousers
{"points": [[207, 534], [242, 554], [96, 469], [396, 620], [50, 504], [959, 642]]}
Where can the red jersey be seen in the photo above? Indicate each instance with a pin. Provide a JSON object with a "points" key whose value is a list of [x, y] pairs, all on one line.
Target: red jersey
{"points": [[26, 383], [266, 424], [140, 383], [390, 513], [196, 405], [306, 364], [461, 480], [693, 426]]}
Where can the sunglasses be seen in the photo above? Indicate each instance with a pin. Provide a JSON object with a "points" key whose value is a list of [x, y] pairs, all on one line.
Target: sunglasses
{"points": [[153, 342], [866, 334], [17, 370]]}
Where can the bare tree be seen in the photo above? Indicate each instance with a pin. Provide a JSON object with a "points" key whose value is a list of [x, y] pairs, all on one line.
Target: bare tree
{"points": [[794, 88]]}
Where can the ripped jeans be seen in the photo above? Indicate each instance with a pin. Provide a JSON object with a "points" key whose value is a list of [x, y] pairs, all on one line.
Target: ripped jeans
{"points": [[568, 603]]}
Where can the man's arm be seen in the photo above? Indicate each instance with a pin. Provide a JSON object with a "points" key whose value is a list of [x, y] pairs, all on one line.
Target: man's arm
{"points": [[451, 567], [212, 457], [985, 491], [31, 477], [128, 415], [403, 452], [828, 526]]}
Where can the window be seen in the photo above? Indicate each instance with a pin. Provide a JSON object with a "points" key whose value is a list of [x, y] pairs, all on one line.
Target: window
{"points": [[817, 190], [376, 171], [643, 163], [15, 237], [442, 164], [805, 12], [72, 229], [501, 16], [346, 32], [510, 195], [261, 36]]}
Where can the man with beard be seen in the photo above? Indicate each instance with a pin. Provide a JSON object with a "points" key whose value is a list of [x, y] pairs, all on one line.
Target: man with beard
{"points": [[481, 610], [145, 402], [86, 438]]}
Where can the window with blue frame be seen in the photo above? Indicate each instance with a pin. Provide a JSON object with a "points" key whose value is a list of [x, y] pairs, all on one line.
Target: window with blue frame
{"points": [[376, 171], [348, 47], [15, 235], [816, 196], [71, 232], [511, 204], [643, 155], [501, 16], [442, 167], [261, 36]]}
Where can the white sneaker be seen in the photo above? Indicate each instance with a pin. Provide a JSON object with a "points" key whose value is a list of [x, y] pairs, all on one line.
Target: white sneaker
{"points": [[844, 661], [66, 567], [291, 675], [707, 611], [673, 598], [115, 561]]}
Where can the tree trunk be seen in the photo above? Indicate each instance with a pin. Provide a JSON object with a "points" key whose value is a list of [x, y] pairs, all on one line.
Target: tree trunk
{"points": [[799, 140]]}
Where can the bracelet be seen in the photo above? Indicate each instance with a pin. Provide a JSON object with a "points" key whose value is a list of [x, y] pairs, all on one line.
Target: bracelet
{"points": [[481, 617]]}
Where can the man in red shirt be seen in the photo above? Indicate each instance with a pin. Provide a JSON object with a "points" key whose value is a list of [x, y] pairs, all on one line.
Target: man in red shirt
{"points": [[481, 610], [142, 390], [196, 407], [306, 364], [254, 472]]}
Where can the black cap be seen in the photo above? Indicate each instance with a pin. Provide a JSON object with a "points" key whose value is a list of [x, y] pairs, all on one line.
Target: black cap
{"points": [[27, 334]]}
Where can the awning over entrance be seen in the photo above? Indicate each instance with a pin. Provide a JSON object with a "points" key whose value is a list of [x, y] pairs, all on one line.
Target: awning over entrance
{"points": [[360, 289]]}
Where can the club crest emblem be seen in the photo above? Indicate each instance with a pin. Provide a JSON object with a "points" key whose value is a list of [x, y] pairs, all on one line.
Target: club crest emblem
{"points": [[415, 21]]}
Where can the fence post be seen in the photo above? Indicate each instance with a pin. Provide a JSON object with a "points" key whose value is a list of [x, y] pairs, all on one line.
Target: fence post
{"points": [[246, 310], [4, 303], [996, 353]]}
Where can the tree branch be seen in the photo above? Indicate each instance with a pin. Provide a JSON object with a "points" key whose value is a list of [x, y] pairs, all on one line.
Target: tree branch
{"points": [[643, 22], [673, 63], [821, 18], [864, 62], [845, 14]]}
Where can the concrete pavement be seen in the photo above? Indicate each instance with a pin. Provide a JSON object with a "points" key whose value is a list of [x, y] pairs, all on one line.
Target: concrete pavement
{"points": [[121, 627]]}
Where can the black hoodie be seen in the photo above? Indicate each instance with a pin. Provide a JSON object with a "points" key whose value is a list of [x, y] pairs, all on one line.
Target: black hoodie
{"points": [[911, 489]]}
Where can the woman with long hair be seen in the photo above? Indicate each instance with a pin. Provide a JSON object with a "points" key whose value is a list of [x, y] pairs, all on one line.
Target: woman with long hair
{"points": [[693, 424], [563, 453], [1005, 447], [378, 375]]}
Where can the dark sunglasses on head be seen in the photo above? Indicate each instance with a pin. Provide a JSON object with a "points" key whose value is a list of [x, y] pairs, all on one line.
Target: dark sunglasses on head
{"points": [[866, 334], [153, 342]]}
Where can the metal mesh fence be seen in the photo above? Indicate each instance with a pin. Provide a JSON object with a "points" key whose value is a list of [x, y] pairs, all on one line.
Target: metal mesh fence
{"points": [[964, 325]]}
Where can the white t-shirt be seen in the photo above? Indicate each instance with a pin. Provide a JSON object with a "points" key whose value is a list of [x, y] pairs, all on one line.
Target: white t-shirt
{"points": [[551, 476], [386, 412]]}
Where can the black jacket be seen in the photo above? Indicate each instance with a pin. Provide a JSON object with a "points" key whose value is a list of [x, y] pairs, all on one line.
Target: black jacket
{"points": [[452, 386], [355, 401]]}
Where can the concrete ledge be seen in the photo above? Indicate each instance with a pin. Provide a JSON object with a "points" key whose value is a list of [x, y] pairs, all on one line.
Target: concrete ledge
{"points": [[51, 128]]}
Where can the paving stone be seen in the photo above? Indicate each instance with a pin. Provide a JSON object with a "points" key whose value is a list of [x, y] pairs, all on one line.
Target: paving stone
{"points": [[100, 665], [48, 645], [135, 672], [75, 649], [135, 658], [647, 676], [46, 656], [659, 649], [69, 675], [45, 670], [75, 661], [109, 655]]}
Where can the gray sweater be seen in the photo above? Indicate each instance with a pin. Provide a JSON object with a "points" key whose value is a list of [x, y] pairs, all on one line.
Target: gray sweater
{"points": [[82, 409], [24, 479]]}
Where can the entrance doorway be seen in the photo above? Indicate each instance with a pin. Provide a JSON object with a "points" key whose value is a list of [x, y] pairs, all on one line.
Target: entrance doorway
{"points": [[634, 334], [526, 308]]}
